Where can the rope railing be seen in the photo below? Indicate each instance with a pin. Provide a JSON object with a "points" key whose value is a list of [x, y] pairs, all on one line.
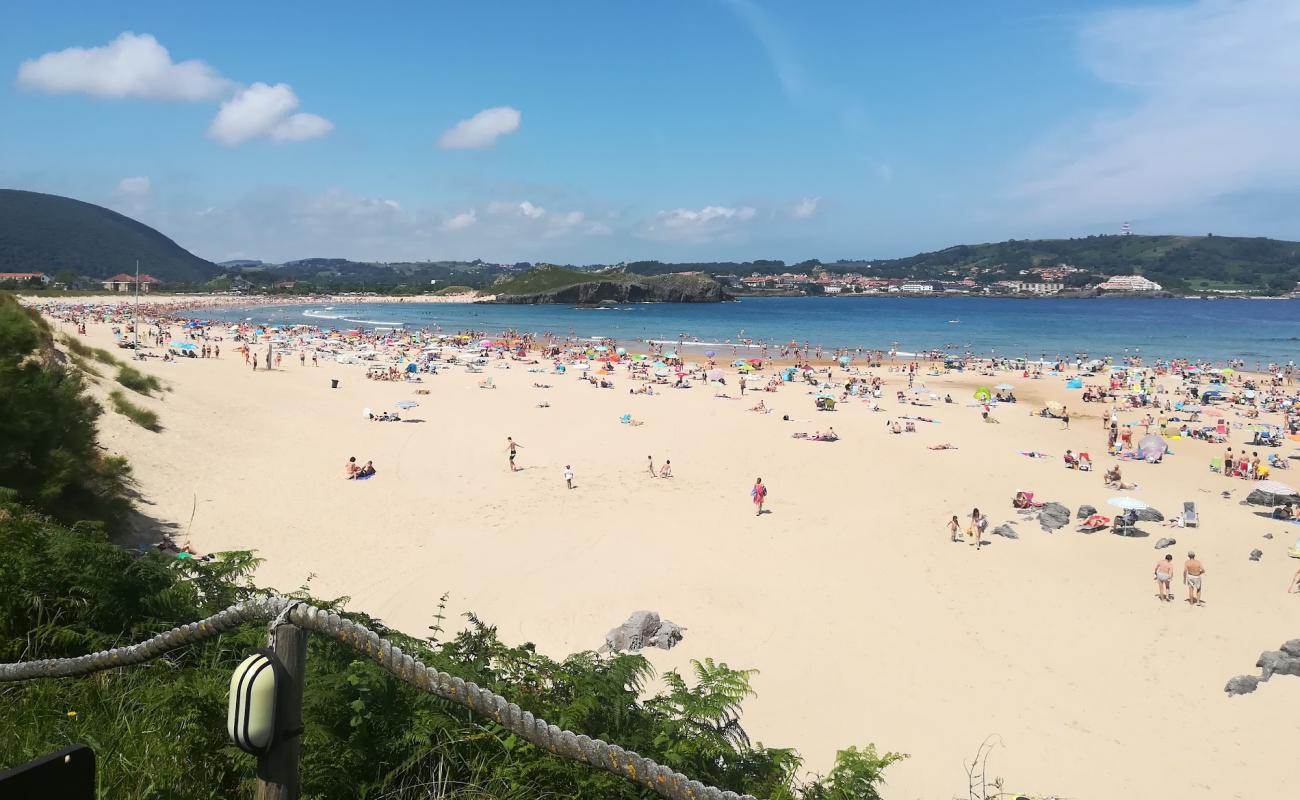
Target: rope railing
{"points": [[566, 744]]}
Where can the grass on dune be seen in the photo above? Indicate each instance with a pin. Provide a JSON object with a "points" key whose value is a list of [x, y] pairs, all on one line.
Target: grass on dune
{"points": [[140, 416]]}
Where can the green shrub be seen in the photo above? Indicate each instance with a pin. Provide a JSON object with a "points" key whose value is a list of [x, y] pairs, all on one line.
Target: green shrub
{"points": [[48, 453], [140, 416], [85, 351], [137, 381]]}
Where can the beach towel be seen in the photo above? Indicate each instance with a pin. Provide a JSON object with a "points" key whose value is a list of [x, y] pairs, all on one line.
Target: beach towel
{"points": [[366, 477]]}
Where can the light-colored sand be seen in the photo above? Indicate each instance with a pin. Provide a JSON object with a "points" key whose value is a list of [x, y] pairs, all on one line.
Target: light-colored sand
{"points": [[867, 625]]}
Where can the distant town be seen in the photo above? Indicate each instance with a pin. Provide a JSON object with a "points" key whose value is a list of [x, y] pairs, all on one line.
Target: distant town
{"points": [[1034, 281]]}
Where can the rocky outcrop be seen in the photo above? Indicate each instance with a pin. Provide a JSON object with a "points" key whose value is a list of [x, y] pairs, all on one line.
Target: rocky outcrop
{"points": [[1283, 661], [1053, 516], [643, 629], [628, 288]]}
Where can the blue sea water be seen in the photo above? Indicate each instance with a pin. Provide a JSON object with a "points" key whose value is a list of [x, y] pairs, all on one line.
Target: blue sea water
{"points": [[1252, 330]]}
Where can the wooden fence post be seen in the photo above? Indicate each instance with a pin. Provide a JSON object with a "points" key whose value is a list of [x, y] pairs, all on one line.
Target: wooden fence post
{"points": [[277, 771]]}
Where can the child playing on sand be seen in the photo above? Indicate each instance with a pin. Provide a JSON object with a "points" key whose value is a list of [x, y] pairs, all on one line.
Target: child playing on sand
{"points": [[568, 476]]}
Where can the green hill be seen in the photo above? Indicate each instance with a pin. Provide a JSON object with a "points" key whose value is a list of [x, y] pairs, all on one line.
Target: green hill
{"points": [[552, 284], [48, 233], [1180, 263]]}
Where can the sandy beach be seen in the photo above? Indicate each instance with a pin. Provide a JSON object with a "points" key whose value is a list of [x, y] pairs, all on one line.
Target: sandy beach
{"points": [[866, 623]]}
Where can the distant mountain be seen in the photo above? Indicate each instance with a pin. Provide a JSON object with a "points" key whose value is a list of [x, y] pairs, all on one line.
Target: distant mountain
{"points": [[48, 233], [237, 263]]}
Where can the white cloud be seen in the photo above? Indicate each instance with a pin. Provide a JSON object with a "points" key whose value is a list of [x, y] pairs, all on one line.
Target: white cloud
{"points": [[706, 223], [130, 66], [480, 130], [136, 186], [805, 208], [1217, 112], [262, 110], [461, 221], [524, 209], [300, 127]]}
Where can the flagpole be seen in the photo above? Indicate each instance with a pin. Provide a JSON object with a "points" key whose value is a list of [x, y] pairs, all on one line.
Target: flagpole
{"points": [[135, 311]]}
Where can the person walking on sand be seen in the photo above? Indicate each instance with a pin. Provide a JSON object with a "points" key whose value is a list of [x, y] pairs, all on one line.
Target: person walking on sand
{"points": [[651, 461], [759, 494], [978, 522], [1192, 572], [568, 476], [1165, 574], [512, 446], [1065, 418], [954, 529], [1294, 585]]}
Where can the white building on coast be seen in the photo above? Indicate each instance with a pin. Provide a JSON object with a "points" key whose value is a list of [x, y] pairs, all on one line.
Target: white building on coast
{"points": [[1129, 283]]}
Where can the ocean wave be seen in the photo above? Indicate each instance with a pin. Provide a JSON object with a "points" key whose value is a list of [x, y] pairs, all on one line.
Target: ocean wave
{"points": [[321, 315], [374, 322]]}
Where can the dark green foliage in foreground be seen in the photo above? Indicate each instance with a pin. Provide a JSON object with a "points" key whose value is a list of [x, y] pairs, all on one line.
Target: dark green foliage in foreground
{"points": [[48, 233], [83, 350], [159, 729], [47, 428], [140, 416]]}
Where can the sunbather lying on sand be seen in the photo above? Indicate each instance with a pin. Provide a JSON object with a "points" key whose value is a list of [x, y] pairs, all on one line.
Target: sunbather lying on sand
{"points": [[944, 446]]}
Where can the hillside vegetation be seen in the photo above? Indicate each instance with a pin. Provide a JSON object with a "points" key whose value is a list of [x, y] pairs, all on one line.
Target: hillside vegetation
{"points": [[158, 730], [52, 234], [550, 284], [1181, 263]]}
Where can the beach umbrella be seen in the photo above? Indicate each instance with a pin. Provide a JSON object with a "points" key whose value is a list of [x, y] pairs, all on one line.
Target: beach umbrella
{"points": [[1074, 383], [714, 375], [1004, 387], [1152, 446], [671, 354], [600, 348], [662, 372], [1229, 371], [745, 368], [983, 393], [825, 395], [919, 389], [639, 357], [1261, 427], [1128, 503], [620, 351], [659, 365], [844, 361], [406, 404], [738, 363], [756, 362], [583, 367]]}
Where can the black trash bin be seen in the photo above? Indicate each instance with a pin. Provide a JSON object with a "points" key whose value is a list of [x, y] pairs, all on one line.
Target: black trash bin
{"points": [[334, 383]]}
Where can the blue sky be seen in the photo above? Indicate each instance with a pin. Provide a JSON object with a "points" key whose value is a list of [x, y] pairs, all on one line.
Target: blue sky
{"points": [[682, 130]]}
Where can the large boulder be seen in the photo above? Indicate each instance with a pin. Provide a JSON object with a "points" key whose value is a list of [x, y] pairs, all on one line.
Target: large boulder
{"points": [[1085, 511], [1006, 530], [644, 629], [1150, 515], [1256, 554], [1291, 647], [1276, 662], [1165, 542], [1053, 516], [1242, 684]]}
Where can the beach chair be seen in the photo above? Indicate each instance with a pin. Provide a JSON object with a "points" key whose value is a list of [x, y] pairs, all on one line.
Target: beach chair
{"points": [[1189, 517]]}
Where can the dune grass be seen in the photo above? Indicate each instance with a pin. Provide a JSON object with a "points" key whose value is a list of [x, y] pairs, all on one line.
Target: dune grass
{"points": [[137, 381], [85, 351], [140, 416]]}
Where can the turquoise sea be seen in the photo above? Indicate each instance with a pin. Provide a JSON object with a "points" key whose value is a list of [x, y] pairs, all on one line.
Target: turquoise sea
{"points": [[1251, 330]]}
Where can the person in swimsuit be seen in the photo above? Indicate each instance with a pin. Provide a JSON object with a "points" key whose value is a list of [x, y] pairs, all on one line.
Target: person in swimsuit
{"points": [[1165, 574], [651, 461], [1192, 572], [759, 493], [351, 470], [512, 446], [954, 529]]}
